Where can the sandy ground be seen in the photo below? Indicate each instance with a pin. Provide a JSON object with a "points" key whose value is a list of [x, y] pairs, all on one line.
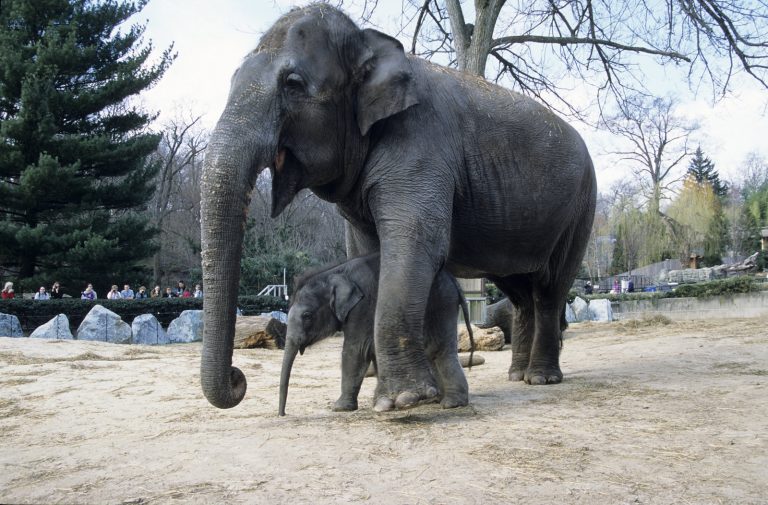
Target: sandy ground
{"points": [[656, 414]]}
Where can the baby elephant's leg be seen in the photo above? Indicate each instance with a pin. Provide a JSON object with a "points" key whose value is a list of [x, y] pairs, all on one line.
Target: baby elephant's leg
{"points": [[354, 365]]}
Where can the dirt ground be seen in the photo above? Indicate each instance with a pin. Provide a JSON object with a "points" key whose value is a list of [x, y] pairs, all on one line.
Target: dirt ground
{"points": [[647, 414]]}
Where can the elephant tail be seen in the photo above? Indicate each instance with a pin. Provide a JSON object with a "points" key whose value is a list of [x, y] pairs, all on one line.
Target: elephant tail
{"points": [[465, 312]]}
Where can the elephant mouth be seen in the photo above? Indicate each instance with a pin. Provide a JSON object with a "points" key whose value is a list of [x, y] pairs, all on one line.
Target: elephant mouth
{"points": [[287, 176], [280, 160]]}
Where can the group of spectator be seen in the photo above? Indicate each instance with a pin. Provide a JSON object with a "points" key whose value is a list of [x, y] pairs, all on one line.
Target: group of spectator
{"points": [[181, 291]]}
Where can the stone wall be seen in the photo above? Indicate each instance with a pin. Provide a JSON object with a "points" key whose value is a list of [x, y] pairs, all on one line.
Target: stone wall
{"points": [[739, 305]]}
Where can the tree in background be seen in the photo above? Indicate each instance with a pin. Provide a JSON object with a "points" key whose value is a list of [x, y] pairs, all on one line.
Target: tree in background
{"points": [[72, 149], [703, 170], [175, 206], [699, 213], [657, 143], [755, 197], [744, 213], [604, 45]]}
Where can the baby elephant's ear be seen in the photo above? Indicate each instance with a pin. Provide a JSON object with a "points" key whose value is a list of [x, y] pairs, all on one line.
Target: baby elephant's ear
{"points": [[345, 294]]}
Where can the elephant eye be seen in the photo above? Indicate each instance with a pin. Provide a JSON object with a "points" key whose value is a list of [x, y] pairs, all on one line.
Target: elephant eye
{"points": [[306, 316], [295, 82]]}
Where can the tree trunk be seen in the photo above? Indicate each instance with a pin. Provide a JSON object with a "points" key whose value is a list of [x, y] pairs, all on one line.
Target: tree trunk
{"points": [[473, 44]]}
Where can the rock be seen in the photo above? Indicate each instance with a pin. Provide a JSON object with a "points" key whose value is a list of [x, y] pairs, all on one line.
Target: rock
{"points": [[276, 314], [188, 327], [570, 315], [10, 326], [601, 310], [259, 331], [581, 310], [477, 360], [486, 339], [147, 330], [105, 326], [57, 329]]}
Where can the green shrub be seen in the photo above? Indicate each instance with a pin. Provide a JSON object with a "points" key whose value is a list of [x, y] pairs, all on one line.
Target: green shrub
{"points": [[730, 286], [255, 305]]}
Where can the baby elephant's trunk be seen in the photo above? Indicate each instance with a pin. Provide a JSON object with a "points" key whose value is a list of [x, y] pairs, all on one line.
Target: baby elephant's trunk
{"points": [[289, 355]]}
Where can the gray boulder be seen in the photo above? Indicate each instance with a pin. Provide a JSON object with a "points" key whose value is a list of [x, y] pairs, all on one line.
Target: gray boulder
{"points": [[147, 330], [581, 309], [570, 315], [10, 326], [104, 325], [188, 327], [601, 310], [56, 329]]}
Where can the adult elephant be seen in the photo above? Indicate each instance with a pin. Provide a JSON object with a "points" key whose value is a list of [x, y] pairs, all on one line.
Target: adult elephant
{"points": [[430, 166]]}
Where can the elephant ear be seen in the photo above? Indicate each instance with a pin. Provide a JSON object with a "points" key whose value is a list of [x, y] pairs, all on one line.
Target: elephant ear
{"points": [[345, 294], [387, 86]]}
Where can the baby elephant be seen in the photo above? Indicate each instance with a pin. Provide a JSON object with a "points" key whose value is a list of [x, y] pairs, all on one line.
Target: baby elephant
{"points": [[343, 298]]}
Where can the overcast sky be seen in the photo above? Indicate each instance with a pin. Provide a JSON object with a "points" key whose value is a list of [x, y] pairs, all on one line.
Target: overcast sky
{"points": [[211, 38]]}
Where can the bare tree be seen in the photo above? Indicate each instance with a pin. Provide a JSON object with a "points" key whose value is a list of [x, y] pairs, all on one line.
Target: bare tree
{"points": [[657, 144], [536, 43], [175, 207]]}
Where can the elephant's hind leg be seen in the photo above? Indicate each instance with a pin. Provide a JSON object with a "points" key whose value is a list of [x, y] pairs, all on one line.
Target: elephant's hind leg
{"points": [[550, 290], [519, 291]]}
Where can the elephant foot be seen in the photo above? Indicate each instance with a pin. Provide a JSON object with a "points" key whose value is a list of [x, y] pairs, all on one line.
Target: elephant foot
{"points": [[396, 393], [518, 368], [454, 401], [406, 399], [344, 405], [516, 374], [542, 376]]}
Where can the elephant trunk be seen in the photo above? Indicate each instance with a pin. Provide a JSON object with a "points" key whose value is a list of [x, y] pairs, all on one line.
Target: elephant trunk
{"points": [[289, 355], [231, 166]]}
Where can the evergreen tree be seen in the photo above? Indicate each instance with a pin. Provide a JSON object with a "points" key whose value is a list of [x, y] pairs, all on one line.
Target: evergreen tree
{"points": [[73, 150], [703, 170]]}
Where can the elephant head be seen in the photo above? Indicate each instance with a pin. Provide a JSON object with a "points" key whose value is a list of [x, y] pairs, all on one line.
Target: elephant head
{"points": [[301, 104], [319, 309]]}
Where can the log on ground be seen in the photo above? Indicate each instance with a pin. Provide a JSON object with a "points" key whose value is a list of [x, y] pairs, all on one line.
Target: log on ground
{"points": [[259, 331]]}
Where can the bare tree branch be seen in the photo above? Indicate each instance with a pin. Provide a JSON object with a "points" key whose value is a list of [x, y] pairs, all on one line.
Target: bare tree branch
{"points": [[540, 39]]}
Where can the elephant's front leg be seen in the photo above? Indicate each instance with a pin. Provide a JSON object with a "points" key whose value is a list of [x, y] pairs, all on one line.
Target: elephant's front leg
{"points": [[354, 365], [405, 377]]}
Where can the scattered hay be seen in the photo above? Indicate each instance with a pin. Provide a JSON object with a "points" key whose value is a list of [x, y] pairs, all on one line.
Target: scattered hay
{"points": [[17, 382], [134, 352], [18, 358], [646, 322], [10, 408]]}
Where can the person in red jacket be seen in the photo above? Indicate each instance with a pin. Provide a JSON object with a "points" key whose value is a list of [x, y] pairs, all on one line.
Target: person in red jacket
{"points": [[7, 292]]}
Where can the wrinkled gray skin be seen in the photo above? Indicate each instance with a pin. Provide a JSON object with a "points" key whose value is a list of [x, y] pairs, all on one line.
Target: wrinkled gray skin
{"points": [[344, 298], [431, 167]]}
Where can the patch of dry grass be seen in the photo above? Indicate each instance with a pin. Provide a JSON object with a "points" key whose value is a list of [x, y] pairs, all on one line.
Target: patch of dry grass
{"points": [[18, 358], [16, 381], [10, 408], [647, 321]]}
